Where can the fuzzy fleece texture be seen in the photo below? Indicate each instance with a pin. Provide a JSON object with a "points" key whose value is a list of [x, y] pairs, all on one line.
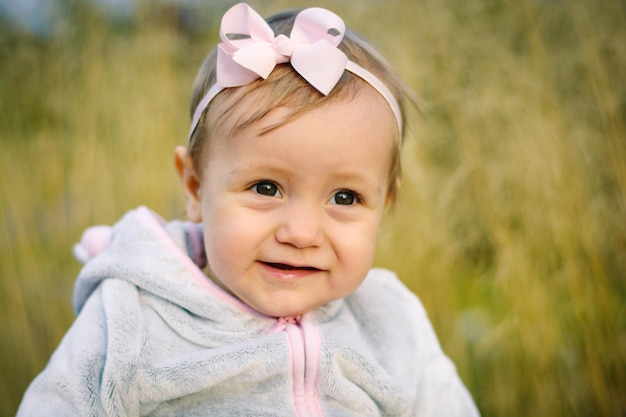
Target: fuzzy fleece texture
{"points": [[155, 337]]}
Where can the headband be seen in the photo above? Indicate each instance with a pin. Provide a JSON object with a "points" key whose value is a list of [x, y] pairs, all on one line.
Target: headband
{"points": [[249, 51]]}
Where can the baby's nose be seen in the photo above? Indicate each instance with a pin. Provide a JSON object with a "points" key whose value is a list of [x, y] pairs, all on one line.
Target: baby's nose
{"points": [[300, 226]]}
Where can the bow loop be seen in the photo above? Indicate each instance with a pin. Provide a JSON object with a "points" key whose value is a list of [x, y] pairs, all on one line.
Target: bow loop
{"points": [[315, 24], [249, 49], [241, 25]]}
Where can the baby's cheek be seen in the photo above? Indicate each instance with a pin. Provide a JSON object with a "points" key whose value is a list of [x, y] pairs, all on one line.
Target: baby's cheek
{"points": [[356, 260], [230, 240]]}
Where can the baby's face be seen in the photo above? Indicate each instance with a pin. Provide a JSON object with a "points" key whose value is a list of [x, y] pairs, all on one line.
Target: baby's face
{"points": [[291, 216]]}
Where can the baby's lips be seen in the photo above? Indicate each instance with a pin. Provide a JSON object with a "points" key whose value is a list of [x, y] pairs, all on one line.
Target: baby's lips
{"points": [[287, 267]]}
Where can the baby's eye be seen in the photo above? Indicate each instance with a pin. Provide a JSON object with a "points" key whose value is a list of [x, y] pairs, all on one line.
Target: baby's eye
{"points": [[344, 198], [266, 188]]}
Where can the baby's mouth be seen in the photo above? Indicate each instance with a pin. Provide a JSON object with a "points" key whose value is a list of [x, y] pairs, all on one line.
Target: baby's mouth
{"points": [[286, 267]]}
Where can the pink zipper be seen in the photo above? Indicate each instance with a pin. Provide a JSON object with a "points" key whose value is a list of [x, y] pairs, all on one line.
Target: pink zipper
{"points": [[304, 346]]}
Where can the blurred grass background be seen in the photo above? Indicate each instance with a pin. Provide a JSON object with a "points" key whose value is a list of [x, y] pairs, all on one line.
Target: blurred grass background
{"points": [[511, 225]]}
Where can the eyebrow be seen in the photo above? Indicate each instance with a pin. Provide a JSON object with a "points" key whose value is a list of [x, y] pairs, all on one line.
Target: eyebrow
{"points": [[250, 168]]}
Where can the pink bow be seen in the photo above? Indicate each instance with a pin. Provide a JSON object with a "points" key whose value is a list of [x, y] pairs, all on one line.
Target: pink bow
{"points": [[249, 49]]}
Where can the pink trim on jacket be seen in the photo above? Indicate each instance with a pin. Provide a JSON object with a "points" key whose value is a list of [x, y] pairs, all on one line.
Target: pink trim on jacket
{"points": [[312, 350]]}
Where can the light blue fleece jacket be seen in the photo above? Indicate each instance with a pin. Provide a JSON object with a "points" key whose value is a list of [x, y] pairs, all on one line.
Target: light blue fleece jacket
{"points": [[155, 337]]}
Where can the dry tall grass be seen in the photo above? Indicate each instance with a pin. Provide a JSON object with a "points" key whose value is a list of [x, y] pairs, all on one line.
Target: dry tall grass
{"points": [[511, 224]]}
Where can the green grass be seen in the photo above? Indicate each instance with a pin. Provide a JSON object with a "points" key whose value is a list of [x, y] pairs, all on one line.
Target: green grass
{"points": [[511, 224]]}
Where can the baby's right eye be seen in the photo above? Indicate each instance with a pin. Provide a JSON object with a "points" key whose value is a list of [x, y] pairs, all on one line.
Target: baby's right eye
{"points": [[266, 188]]}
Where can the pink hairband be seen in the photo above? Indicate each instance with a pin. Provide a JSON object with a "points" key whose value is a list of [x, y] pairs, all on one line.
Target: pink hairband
{"points": [[311, 49]]}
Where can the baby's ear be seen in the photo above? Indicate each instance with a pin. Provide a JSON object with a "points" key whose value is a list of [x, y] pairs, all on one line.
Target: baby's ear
{"points": [[190, 183]]}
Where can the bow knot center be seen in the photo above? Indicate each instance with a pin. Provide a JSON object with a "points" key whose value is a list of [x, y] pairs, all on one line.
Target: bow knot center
{"points": [[283, 46]]}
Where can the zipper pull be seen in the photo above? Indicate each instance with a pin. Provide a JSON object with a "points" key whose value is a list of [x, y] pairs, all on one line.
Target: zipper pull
{"points": [[281, 323]]}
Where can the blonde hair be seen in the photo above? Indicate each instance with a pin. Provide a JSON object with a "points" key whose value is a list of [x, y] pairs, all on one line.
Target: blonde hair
{"points": [[286, 88]]}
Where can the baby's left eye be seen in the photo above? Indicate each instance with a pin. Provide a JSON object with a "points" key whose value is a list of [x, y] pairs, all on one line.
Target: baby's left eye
{"points": [[267, 188], [344, 198]]}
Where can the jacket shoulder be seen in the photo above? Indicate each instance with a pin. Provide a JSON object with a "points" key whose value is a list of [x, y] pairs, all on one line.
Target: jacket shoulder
{"points": [[384, 289]]}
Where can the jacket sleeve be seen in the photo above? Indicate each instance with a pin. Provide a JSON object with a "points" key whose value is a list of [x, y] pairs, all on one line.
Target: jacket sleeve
{"points": [[70, 383], [406, 334], [441, 391]]}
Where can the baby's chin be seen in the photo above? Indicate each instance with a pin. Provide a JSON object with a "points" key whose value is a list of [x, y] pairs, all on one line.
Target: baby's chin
{"points": [[285, 312]]}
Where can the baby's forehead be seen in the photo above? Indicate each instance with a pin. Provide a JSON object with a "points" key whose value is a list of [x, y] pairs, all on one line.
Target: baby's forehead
{"points": [[332, 128], [237, 109]]}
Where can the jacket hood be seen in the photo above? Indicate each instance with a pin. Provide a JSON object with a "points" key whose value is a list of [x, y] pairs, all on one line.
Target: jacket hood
{"points": [[161, 258]]}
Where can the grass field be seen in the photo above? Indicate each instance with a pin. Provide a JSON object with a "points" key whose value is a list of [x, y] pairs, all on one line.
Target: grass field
{"points": [[511, 224]]}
